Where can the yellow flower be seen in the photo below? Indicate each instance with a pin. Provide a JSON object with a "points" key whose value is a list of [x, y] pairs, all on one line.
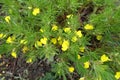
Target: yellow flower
{"points": [[69, 16], [29, 60], [78, 56], [38, 43], [43, 40], [54, 27], [14, 54], [36, 11], [104, 58], [99, 37], [89, 27], [87, 64], [41, 30], [59, 40], [71, 69], [67, 30], [54, 40], [74, 39], [2, 35], [117, 75], [82, 78], [65, 45], [10, 39], [7, 19], [79, 33], [23, 41], [25, 49], [82, 49]]}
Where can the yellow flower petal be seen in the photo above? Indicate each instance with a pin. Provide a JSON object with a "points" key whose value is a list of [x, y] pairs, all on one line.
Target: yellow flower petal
{"points": [[71, 69], [38, 44], [23, 41], [87, 64], [79, 57], [43, 40], [82, 49], [29, 60], [2, 35], [79, 33], [82, 78], [59, 40], [7, 19], [89, 27], [54, 27], [36, 11], [14, 54], [65, 45], [10, 39], [69, 16], [74, 39], [117, 75], [99, 37], [67, 30], [25, 49], [41, 30], [104, 58], [54, 40]]}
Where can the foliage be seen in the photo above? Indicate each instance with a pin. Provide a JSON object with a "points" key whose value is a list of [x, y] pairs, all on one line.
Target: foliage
{"points": [[54, 30]]}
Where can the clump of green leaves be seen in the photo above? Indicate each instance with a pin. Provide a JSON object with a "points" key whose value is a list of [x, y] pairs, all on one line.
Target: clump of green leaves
{"points": [[75, 37]]}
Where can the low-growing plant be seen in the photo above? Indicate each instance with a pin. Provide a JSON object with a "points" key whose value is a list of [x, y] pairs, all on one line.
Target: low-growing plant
{"points": [[75, 37]]}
